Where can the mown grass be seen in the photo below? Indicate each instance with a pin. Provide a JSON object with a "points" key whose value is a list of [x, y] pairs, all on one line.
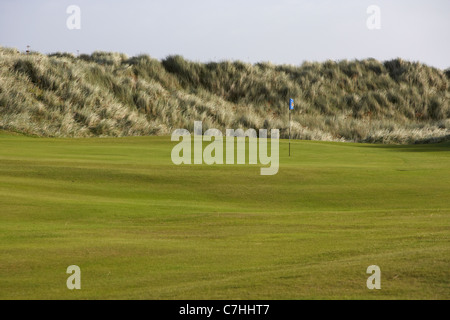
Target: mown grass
{"points": [[140, 227], [110, 94]]}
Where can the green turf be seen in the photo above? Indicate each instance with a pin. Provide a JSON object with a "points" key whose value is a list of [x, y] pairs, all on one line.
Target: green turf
{"points": [[140, 227]]}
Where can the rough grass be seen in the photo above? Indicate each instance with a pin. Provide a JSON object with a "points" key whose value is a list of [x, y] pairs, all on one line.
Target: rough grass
{"points": [[109, 94], [140, 227]]}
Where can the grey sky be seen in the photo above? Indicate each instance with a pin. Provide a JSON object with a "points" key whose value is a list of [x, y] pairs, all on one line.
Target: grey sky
{"points": [[283, 31]]}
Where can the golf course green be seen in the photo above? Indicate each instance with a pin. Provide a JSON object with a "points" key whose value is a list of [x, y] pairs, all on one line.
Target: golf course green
{"points": [[140, 227]]}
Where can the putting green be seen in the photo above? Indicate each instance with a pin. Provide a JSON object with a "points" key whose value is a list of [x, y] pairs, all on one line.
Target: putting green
{"points": [[140, 227]]}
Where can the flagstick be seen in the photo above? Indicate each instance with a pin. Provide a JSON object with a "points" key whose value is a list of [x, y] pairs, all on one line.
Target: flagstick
{"points": [[289, 132], [291, 107]]}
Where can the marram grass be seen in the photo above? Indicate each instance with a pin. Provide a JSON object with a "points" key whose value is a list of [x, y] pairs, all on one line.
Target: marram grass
{"points": [[110, 94]]}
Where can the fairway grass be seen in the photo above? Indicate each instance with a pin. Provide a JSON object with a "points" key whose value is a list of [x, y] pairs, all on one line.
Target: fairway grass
{"points": [[140, 227]]}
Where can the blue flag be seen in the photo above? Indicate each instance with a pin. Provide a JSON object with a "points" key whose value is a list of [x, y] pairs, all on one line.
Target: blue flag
{"points": [[291, 104]]}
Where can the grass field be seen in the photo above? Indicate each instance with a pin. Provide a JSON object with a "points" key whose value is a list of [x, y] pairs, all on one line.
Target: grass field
{"points": [[140, 227]]}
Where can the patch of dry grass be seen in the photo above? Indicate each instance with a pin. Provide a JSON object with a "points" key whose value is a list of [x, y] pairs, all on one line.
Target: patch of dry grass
{"points": [[110, 94]]}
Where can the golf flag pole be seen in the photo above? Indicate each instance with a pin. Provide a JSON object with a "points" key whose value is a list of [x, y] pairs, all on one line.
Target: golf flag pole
{"points": [[291, 107]]}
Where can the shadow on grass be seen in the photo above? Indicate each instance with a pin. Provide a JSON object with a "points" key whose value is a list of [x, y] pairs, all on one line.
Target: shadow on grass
{"points": [[425, 147]]}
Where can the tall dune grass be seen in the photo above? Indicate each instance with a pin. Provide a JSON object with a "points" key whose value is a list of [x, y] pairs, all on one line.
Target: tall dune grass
{"points": [[110, 94]]}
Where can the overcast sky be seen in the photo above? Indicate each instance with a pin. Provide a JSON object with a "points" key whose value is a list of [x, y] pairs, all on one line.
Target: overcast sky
{"points": [[282, 31]]}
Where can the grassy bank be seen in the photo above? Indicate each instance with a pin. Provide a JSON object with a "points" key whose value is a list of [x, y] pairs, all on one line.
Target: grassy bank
{"points": [[110, 94]]}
